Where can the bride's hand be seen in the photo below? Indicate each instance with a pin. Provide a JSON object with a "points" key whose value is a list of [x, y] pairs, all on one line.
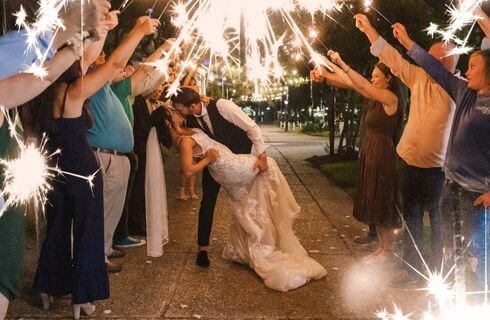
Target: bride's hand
{"points": [[212, 155], [261, 162]]}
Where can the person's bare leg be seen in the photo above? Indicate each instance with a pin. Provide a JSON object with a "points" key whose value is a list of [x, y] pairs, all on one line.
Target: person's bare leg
{"points": [[379, 232], [4, 305], [379, 250], [183, 183], [192, 190], [388, 244]]}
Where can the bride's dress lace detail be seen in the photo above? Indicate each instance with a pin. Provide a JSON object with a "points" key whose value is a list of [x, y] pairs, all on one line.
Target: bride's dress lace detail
{"points": [[261, 233]]}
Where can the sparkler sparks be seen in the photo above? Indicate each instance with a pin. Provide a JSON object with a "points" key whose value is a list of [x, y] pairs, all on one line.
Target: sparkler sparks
{"points": [[448, 305], [459, 18], [244, 29], [48, 20], [368, 5], [28, 176]]}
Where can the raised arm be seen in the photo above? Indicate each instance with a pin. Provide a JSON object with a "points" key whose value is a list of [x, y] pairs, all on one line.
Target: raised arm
{"points": [[144, 79], [92, 82], [93, 15], [387, 98], [143, 27], [23, 87], [400, 67], [483, 21], [95, 48], [453, 85], [188, 167], [338, 78]]}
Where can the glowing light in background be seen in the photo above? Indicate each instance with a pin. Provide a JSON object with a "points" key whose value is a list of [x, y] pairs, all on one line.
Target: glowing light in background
{"points": [[227, 32], [460, 17]]}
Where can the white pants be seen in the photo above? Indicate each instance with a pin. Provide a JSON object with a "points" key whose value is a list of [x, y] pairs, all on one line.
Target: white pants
{"points": [[115, 173]]}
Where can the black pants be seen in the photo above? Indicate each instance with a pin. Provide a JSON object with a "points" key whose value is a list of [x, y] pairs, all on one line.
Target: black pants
{"points": [[422, 188], [210, 194], [122, 227]]}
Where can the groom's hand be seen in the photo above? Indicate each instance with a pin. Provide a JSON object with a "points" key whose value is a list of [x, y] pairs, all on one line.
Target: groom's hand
{"points": [[261, 162], [211, 155]]}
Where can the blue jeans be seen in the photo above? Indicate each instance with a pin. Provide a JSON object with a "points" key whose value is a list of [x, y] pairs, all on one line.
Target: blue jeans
{"points": [[472, 220], [421, 191]]}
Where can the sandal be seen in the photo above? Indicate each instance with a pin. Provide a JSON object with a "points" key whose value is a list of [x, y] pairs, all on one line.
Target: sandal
{"points": [[194, 197], [183, 198], [182, 195]]}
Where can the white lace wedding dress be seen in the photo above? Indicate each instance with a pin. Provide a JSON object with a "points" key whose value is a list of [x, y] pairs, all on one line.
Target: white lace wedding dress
{"points": [[261, 234]]}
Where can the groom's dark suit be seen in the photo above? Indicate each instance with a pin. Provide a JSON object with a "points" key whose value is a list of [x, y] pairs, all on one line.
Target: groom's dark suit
{"points": [[237, 141]]}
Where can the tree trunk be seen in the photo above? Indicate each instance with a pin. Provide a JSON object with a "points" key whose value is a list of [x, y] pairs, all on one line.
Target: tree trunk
{"points": [[331, 120]]}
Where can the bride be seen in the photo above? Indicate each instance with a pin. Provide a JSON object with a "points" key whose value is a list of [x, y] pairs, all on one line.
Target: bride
{"points": [[261, 234]]}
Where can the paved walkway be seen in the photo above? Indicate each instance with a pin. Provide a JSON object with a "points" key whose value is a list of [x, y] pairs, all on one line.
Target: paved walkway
{"points": [[172, 287]]}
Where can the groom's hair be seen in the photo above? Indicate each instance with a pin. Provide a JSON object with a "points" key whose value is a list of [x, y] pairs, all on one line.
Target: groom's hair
{"points": [[186, 96]]}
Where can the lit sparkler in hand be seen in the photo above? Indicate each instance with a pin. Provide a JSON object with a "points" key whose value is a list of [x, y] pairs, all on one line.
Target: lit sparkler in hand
{"points": [[459, 18], [48, 20], [27, 177], [368, 5]]}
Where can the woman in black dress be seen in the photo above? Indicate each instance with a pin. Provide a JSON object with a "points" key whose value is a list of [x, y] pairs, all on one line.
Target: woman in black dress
{"points": [[73, 205]]}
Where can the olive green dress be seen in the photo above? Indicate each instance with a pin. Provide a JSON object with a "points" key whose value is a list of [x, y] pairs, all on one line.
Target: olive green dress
{"points": [[12, 230]]}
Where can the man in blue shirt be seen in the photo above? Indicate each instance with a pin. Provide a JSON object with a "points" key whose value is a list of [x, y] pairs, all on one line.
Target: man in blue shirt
{"points": [[111, 135]]}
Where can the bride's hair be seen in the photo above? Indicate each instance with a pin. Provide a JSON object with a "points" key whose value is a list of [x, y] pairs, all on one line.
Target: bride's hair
{"points": [[161, 120]]}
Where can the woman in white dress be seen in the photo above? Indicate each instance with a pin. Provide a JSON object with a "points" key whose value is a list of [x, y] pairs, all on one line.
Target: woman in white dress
{"points": [[261, 234]]}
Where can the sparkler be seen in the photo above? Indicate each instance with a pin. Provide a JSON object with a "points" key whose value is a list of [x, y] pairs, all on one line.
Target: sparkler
{"points": [[349, 7], [164, 10], [450, 299], [48, 20], [28, 176], [368, 4], [125, 5], [215, 29], [459, 18]]}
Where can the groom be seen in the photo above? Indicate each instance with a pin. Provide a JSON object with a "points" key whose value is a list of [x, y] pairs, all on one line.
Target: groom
{"points": [[225, 122]]}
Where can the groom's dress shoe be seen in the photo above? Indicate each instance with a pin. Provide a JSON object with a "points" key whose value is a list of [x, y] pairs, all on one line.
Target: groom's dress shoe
{"points": [[202, 259]]}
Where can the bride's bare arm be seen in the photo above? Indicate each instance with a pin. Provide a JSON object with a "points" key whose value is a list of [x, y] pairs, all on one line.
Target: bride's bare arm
{"points": [[188, 167]]}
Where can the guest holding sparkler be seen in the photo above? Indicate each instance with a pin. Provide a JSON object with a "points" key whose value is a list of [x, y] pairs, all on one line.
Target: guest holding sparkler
{"points": [[23, 87], [111, 135], [422, 148], [126, 87], [467, 164], [73, 205], [375, 198]]}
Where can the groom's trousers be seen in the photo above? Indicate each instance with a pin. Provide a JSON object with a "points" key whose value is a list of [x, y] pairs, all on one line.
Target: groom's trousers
{"points": [[210, 189]]}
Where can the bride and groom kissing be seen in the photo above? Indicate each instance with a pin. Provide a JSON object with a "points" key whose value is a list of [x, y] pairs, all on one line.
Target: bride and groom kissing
{"points": [[230, 151]]}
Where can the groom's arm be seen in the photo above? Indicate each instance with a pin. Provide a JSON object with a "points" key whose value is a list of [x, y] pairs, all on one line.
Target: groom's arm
{"points": [[232, 113]]}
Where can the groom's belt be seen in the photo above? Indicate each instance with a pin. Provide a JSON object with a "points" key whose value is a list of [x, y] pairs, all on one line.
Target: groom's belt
{"points": [[110, 151]]}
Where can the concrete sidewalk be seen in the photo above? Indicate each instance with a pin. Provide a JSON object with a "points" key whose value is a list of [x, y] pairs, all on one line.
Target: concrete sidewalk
{"points": [[173, 287]]}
